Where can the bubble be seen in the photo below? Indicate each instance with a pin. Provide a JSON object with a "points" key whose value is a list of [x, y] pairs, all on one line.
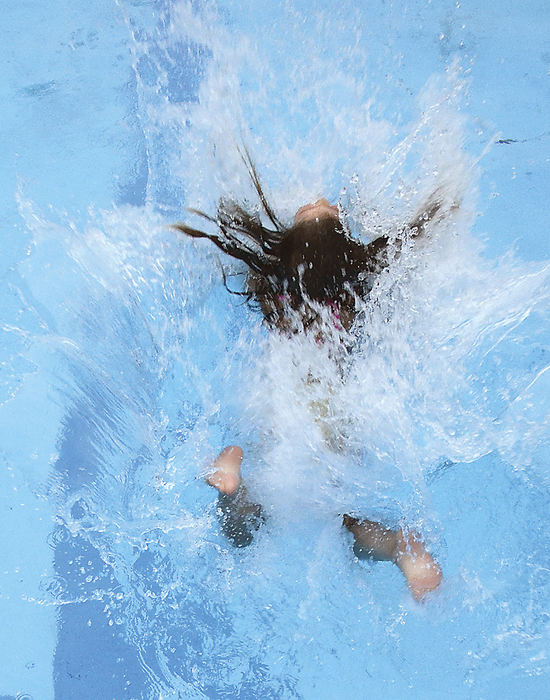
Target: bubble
{"points": [[58, 536], [55, 587]]}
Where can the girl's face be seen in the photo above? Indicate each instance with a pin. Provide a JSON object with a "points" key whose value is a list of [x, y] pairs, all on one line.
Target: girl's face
{"points": [[315, 212]]}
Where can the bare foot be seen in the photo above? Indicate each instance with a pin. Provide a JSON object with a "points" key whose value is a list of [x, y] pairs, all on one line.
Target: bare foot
{"points": [[422, 572], [226, 470]]}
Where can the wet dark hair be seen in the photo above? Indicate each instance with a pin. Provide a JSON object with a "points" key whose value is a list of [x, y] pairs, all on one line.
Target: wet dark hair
{"points": [[294, 268], [290, 266]]}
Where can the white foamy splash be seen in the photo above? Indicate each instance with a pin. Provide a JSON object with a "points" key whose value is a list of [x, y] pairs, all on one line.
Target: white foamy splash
{"points": [[449, 361], [451, 353]]}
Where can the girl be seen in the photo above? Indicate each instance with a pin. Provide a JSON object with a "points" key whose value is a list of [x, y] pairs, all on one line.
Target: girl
{"points": [[308, 278]]}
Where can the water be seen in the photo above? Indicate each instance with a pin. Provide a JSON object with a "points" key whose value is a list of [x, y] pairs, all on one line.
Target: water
{"points": [[126, 364]]}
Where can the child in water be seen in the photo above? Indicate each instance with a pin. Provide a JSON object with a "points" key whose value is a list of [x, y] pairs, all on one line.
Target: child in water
{"points": [[307, 278]]}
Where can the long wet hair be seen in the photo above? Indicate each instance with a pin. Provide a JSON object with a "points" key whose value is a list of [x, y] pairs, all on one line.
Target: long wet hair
{"points": [[293, 270]]}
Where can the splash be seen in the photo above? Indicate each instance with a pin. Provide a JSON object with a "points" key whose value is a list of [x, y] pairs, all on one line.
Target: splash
{"points": [[439, 374], [158, 367]]}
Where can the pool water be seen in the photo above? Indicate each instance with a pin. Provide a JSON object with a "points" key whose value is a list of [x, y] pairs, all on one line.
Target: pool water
{"points": [[126, 365]]}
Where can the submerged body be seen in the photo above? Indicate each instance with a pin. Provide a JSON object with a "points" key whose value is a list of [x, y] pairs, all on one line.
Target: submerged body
{"points": [[308, 279]]}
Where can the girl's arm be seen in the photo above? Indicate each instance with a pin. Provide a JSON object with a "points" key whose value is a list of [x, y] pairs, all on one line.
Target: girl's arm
{"points": [[384, 249]]}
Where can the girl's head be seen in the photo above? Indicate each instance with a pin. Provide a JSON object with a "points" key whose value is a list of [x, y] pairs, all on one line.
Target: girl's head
{"points": [[313, 259], [321, 209], [318, 259]]}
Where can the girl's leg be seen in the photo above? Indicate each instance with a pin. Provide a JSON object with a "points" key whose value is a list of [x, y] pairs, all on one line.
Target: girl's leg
{"points": [[408, 552], [239, 517]]}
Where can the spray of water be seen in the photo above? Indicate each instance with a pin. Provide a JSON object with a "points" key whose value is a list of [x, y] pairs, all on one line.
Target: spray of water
{"points": [[162, 367]]}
